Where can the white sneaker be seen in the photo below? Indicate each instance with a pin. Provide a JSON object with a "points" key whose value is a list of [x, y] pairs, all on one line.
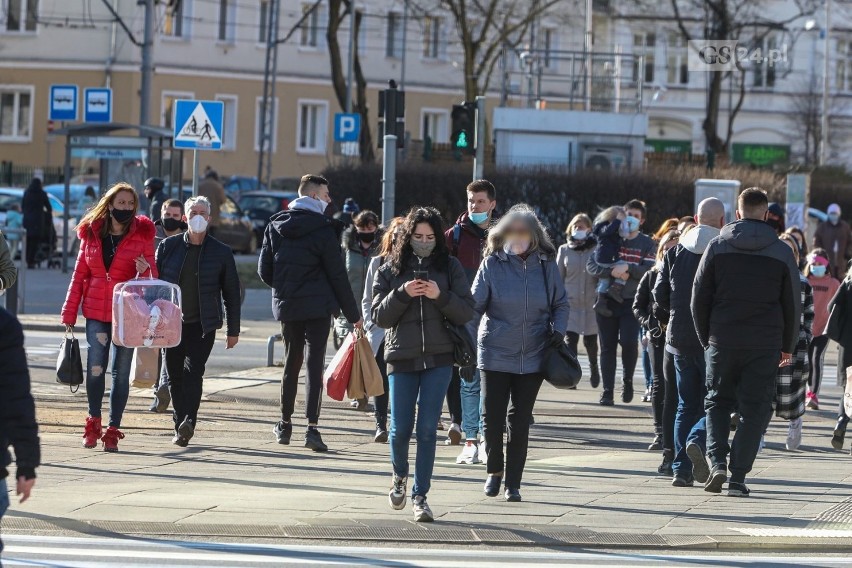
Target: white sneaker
{"points": [[794, 434], [469, 454], [454, 435], [397, 496], [422, 512]]}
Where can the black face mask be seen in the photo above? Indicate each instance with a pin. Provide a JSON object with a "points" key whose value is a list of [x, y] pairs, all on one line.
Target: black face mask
{"points": [[170, 224], [122, 215], [366, 238]]}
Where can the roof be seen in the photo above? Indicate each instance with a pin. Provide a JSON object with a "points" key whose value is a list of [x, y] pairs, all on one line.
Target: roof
{"points": [[111, 127]]}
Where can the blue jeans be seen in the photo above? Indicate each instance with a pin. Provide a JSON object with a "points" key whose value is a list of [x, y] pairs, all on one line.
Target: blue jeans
{"points": [[691, 373], [471, 402], [99, 336], [424, 390], [4, 504], [698, 435]]}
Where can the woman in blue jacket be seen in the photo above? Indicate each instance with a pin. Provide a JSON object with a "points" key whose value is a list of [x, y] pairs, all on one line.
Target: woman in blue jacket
{"points": [[521, 299]]}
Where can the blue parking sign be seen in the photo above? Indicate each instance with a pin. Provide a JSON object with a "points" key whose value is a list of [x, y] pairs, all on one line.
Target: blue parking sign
{"points": [[347, 127]]}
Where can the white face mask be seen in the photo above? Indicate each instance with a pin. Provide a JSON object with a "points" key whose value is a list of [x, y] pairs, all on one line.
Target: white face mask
{"points": [[579, 234], [323, 204], [198, 224]]}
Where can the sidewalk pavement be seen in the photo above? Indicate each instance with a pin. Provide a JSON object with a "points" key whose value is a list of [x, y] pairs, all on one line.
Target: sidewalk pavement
{"points": [[589, 480]]}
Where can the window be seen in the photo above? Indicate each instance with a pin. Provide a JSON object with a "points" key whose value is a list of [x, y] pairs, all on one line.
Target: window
{"points": [[549, 45], [18, 16], [227, 20], [258, 124], [644, 44], [394, 36], [176, 20], [676, 66], [168, 106], [16, 117], [311, 130], [263, 21], [311, 29], [229, 121], [763, 72], [434, 46], [435, 125], [843, 66]]}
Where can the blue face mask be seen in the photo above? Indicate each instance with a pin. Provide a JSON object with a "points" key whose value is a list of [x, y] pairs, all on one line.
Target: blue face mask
{"points": [[478, 218], [818, 270], [834, 218]]}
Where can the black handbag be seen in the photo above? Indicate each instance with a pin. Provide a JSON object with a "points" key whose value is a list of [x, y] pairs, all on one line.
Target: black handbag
{"points": [[561, 367], [69, 364], [464, 351]]}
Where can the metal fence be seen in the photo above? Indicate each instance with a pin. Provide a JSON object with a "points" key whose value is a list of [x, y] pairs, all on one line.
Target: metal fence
{"points": [[18, 175]]}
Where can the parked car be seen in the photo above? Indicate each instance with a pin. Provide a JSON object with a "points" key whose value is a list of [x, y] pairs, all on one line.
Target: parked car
{"points": [[238, 185], [235, 227], [79, 202], [9, 195], [285, 184], [261, 205]]}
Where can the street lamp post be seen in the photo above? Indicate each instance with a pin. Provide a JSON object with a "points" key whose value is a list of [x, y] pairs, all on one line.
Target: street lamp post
{"points": [[823, 147]]}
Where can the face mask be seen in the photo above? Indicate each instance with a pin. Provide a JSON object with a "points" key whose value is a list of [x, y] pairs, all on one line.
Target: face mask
{"points": [[834, 218], [579, 234], [818, 270], [198, 224], [478, 218], [170, 224], [122, 215], [366, 237], [632, 223], [323, 204], [421, 249], [516, 247]]}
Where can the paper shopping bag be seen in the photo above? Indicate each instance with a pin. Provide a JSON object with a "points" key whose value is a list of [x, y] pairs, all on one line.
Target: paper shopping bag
{"points": [[145, 368], [339, 371], [371, 376]]}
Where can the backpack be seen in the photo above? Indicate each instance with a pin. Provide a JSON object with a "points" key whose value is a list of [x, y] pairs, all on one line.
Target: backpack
{"points": [[456, 238]]}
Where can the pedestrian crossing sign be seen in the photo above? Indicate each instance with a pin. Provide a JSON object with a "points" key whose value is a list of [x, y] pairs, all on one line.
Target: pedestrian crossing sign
{"points": [[198, 124]]}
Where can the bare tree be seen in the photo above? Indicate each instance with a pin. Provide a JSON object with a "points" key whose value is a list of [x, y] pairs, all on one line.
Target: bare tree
{"points": [[338, 11], [806, 118]]}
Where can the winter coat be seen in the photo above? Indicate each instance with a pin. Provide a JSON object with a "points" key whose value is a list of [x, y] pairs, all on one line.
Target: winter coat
{"points": [[791, 385], [18, 427], [8, 271], [217, 279], [91, 284], [579, 286], [747, 293], [837, 241], [215, 193], [644, 308], [300, 260], [375, 334], [37, 211], [824, 289], [469, 245], [639, 253], [357, 259], [156, 208], [519, 306], [842, 301], [673, 291], [417, 338]]}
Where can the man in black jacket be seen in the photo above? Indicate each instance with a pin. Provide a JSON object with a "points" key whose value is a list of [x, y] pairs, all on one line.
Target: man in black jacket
{"points": [[18, 426], [672, 297], [154, 193], [207, 274], [300, 260], [746, 304]]}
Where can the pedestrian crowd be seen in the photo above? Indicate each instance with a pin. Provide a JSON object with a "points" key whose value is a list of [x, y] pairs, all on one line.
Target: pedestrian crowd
{"points": [[731, 319]]}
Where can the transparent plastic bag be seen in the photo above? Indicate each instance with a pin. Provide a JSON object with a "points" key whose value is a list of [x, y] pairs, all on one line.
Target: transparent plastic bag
{"points": [[146, 312]]}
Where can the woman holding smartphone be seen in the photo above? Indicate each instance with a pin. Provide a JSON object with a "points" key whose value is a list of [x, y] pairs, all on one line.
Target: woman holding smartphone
{"points": [[418, 292]]}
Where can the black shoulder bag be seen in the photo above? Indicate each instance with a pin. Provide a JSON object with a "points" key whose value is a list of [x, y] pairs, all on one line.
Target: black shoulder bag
{"points": [[561, 368], [69, 364], [464, 352]]}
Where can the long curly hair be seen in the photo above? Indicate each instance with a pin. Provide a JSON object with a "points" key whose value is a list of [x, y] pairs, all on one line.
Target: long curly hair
{"points": [[402, 251], [525, 214]]}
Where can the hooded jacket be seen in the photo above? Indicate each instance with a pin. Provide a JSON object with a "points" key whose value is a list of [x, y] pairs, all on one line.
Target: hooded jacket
{"points": [[300, 260], [417, 338], [18, 426], [357, 259], [91, 283], [471, 242], [837, 241], [519, 306], [673, 291], [747, 291]]}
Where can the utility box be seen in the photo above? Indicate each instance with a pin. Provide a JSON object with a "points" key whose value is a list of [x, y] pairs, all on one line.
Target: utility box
{"points": [[725, 190]]}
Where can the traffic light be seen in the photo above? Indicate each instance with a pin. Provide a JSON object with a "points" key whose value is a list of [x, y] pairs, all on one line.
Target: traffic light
{"points": [[464, 127]]}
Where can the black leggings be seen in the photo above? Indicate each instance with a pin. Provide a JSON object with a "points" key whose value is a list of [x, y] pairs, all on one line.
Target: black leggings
{"points": [[590, 342], [816, 354], [658, 386]]}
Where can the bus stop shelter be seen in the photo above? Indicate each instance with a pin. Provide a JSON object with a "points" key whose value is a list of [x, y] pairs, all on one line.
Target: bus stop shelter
{"points": [[103, 154]]}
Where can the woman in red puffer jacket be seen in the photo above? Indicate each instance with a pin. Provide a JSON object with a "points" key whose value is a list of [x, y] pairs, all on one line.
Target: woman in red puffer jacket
{"points": [[115, 245]]}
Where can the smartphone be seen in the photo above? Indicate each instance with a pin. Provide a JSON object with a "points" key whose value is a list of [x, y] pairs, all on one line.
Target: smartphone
{"points": [[421, 275]]}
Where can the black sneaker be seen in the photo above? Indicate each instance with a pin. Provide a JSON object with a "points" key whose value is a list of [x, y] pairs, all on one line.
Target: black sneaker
{"points": [[283, 432], [601, 308], [606, 398], [656, 445], [718, 477], [313, 440], [381, 436], [682, 481], [595, 376], [665, 468], [735, 421], [492, 485], [737, 489], [700, 469], [838, 436], [626, 392], [616, 292], [187, 428], [512, 495], [162, 398], [179, 440]]}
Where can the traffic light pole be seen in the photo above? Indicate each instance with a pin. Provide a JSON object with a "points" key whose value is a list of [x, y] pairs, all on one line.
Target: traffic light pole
{"points": [[388, 178], [479, 140]]}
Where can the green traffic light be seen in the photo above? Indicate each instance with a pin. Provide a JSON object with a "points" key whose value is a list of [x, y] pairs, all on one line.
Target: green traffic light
{"points": [[462, 140]]}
